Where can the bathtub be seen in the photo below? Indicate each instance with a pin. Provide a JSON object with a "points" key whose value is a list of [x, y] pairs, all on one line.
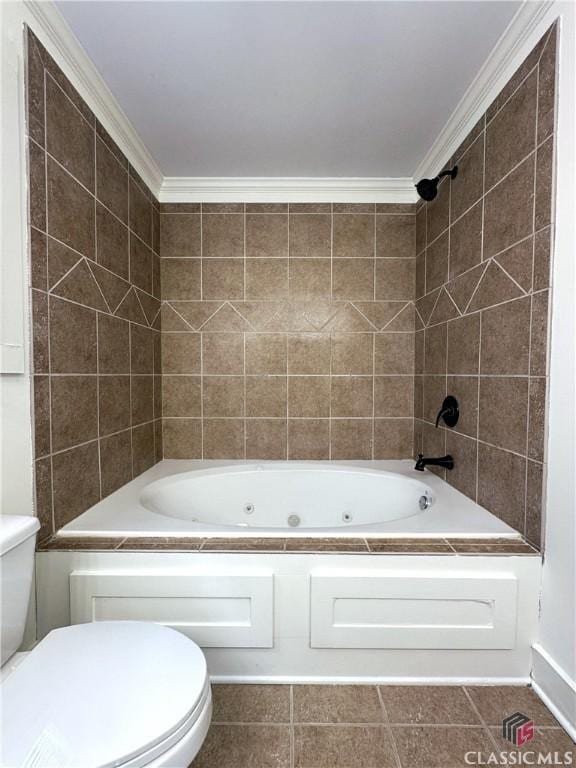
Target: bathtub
{"points": [[269, 612], [283, 499]]}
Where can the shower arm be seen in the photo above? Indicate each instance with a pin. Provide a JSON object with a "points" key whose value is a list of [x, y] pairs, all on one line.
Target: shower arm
{"points": [[451, 172]]}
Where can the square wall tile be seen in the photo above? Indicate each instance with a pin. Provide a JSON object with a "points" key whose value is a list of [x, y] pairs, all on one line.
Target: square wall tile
{"points": [[351, 439], [308, 353], [223, 396], [266, 439], [353, 279], [222, 353], [393, 353], [506, 338], [72, 352], [310, 278], [181, 353], [508, 209], [353, 236], [395, 236], [74, 408], [503, 412], [180, 279], [70, 211], [393, 396], [222, 279], [308, 439], [114, 410], [266, 353], [352, 353], [111, 181], [223, 438], [180, 236], [351, 396], [182, 438], [266, 236], [115, 461], [395, 279], [438, 211], [501, 484], [266, 396], [76, 482], [223, 236], [69, 136], [310, 236], [267, 278], [309, 396]]}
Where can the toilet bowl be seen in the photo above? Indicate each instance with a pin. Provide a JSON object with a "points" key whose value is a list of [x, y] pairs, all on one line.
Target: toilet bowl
{"points": [[113, 693]]}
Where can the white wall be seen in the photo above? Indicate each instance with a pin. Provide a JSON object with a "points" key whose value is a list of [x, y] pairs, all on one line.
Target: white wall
{"points": [[555, 654], [16, 490]]}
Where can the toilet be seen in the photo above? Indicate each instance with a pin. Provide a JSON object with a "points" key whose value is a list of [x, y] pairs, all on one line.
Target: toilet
{"points": [[112, 693]]}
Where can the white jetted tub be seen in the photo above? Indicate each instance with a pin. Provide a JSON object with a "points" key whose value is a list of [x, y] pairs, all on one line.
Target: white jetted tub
{"points": [[351, 499]]}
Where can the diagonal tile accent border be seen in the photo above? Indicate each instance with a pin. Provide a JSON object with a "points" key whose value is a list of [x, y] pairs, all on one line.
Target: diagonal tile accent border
{"points": [[495, 287], [80, 286], [462, 288]]}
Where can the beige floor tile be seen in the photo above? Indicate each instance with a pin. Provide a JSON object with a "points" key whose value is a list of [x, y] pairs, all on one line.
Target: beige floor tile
{"points": [[495, 702], [325, 746], [251, 703], [439, 747], [437, 705], [245, 746], [337, 704]]}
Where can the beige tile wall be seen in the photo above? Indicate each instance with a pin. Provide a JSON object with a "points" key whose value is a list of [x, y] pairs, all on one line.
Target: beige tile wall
{"points": [[482, 289], [95, 282], [288, 331]]}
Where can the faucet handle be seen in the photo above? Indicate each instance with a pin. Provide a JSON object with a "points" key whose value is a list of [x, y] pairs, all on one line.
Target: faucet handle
{"points": [[449, 412], [441, 413]]}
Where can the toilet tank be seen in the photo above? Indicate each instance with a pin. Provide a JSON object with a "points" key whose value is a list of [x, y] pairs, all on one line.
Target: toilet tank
{"points": [[17, 542]]}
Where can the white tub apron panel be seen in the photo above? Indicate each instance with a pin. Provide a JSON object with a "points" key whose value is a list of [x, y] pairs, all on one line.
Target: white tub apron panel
{"points": [[314, 617], [216, 610], [407, 610]]}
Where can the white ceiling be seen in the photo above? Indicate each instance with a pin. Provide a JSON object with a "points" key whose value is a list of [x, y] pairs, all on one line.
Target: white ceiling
{"points": [[308, 89]]}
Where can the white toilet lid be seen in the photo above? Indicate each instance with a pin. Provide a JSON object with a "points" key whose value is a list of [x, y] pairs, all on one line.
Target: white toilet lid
{"points": [[99, 695]]}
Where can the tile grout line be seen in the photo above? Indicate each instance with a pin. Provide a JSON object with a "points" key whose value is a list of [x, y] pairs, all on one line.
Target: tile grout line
{"points": [[527, 442], [244, 259], [130, 323], [480, 315], [389, 730], [330, 334], [47, 214], [292, 735], [477, 711]]}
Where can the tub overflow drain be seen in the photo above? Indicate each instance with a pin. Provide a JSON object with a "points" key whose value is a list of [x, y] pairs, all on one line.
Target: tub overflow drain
{"points": [[248, 508], [293, 521], [424, 502]]}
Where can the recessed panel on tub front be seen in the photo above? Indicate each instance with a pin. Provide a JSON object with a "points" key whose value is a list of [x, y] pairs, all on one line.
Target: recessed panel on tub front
{"points": [[216, 610], [419, 610]]}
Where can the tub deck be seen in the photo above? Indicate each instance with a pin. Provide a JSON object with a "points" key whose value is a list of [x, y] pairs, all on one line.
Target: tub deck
{"points": [[375, 546], [123, 515]]}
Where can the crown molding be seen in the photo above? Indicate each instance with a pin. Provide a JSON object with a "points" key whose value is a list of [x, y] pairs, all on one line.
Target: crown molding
{"points": [[527, 26], [54, 32], [521, 35], [176, 189]]}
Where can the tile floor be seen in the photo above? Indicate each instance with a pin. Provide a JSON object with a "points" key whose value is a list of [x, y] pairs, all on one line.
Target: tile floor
{"points": [[344, 726]]}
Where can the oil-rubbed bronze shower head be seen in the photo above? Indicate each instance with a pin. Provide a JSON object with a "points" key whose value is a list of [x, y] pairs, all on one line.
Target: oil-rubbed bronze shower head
{"points": [[428, 188]]}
